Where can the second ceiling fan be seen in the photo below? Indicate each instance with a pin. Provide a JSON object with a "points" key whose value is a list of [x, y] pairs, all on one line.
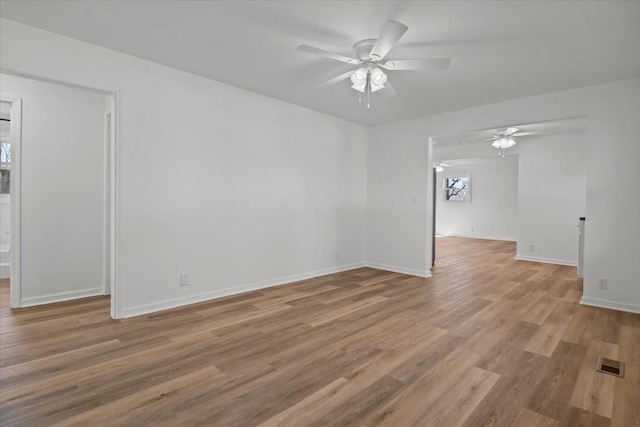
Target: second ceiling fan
{"points": [[370, 53]]}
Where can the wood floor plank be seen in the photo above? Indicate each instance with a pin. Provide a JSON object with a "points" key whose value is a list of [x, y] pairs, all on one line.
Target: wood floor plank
{"points": [[487, 340], [120, 408], [547, 337], [593, 391], [456, 404], [626, 401], [298, 413], [361, 407], [541, 311], [511, 392], [410, 406], [528, 418], [499, 353], [576, 417], [332, 314], [558, 379]]}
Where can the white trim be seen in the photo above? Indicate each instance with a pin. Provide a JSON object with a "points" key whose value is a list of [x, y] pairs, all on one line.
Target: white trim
{"points": [[431, 208], [206, 296], [116, 191], [403, 270], [5, 270], [504, 239], [61, 297], [613, 305], [568, 262], [58, 80], [106, 200]]}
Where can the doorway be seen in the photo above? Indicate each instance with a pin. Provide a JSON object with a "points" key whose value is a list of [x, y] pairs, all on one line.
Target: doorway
{"points": [[531, 192], [62, 193]]}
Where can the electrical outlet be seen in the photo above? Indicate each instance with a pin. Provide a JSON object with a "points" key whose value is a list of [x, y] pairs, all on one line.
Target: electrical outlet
{"points": [[532, 248], [184, 279], [414, 200], [603, 283]]}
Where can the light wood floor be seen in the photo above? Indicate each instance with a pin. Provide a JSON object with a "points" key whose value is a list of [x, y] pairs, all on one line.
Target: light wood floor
{"points": [[487, 341]]}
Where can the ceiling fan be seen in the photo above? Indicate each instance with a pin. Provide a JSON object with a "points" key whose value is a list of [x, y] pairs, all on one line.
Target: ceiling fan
{"points": [[439, 166], [506, 139], [370, 53]]}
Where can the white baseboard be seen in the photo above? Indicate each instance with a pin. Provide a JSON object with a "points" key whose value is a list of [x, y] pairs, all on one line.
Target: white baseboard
{"points": [[403, 270], [206, 296], [475, 236], [59, 297], [613, 305], [547, 260], [5, 271]]}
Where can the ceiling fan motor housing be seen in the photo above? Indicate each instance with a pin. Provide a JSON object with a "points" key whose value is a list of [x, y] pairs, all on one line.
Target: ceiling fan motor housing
{"points": [[363, 49]]}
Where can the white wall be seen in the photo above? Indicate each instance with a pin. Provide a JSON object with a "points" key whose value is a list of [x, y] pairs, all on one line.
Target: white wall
{"points": [[552, 197], [5, 221], [493, 210], [399, 166], [236, 189], [62, 211]]}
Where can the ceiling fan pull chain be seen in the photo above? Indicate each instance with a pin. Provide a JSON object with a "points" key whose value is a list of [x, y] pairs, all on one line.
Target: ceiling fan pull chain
{"points": [[368, 91], [360, 97]]}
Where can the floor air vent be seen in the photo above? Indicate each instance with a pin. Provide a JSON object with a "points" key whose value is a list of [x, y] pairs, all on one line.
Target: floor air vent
{"points": [[611, 367]]}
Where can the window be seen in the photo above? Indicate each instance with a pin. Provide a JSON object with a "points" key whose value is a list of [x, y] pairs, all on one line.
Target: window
{"points": [[5, 147], [457, 188], [5, 162], [5, 153]]}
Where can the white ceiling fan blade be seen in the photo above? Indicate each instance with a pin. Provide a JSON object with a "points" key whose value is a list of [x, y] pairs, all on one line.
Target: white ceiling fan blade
{"points": [[511, 131], [335, 80], [429, 64], [390, 34], [326, 54], [387, 91], [531, 133]]}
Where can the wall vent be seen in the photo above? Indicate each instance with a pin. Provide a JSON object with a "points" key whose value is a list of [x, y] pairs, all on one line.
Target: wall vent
{"points": [[610, 366]]}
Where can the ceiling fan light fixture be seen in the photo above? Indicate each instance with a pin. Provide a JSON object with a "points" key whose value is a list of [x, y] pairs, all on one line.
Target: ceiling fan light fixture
{"points": [[377, 79], [504, 142], [359, 79]]}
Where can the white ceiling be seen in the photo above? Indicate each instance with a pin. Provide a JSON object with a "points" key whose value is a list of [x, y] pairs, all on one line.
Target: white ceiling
{"points": [[499, 50]]}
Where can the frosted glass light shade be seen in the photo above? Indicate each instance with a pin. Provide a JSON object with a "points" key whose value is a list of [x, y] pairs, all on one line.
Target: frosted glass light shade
{"points": [[377, 79], [504, 142], [359, 79]]}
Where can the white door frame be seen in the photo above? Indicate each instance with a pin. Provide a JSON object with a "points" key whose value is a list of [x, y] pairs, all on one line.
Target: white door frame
{"points": [[430, 240], [113, 182], [108, 143]]}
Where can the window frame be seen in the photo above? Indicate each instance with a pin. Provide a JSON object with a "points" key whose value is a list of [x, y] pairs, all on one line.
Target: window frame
{"points": [[446, 189]]}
